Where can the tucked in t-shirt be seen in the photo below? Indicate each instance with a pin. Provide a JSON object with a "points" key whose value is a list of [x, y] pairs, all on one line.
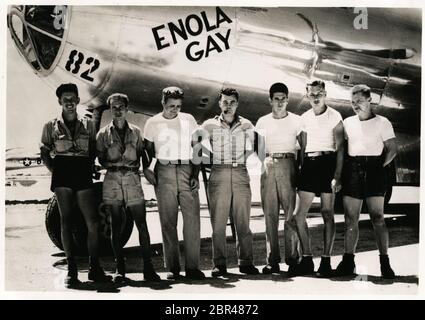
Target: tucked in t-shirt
{"points": [[366, 138], [280, 134], [319, 129], [172, 137]]}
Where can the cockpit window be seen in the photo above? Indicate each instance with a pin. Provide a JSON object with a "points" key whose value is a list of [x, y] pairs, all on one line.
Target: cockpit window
{"points": [[45, 47], [47, 18], [20, 35], [38, 32]]}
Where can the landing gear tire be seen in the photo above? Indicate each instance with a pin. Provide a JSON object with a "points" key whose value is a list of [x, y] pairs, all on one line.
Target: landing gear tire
{"points": [[79, 229]]}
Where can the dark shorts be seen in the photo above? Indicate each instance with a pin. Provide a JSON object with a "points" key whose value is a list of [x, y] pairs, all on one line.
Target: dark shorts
{"points": [[72, 172], [364, 177], [317, 173]]}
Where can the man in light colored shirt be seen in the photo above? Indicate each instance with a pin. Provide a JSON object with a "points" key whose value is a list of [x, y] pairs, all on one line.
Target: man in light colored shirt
{"points": [[371, 147], [320, 174], [278, 132], [231, 138], [168, 141]]}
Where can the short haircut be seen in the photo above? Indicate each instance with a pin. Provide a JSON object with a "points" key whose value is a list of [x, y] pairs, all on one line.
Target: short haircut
{"points": [[229, 92], [278, 87], [66, 87], [118, 96], [172, 92], [361, 88], [316, 83]]}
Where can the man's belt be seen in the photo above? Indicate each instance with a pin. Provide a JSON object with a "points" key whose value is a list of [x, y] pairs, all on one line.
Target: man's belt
{"points": [[365, 158], [171, 162], [229, 165], [281, 155], [122, 168], [318, 154]]}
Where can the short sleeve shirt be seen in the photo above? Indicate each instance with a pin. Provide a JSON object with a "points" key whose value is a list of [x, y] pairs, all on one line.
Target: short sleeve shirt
{"points": [[116, 152], [57, 138], [319, 129], [366, 138], [229, 144], [172, 138], [280, 134]]}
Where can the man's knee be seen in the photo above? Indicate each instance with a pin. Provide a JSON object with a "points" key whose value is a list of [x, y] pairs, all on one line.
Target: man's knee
{"points": [[93, 226], [377, 220], [351, 221], [328, 215]]}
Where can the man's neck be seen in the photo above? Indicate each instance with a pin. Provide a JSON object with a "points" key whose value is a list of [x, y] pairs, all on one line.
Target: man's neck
{"points": [[169, 117], [320, 110], [119, 124], [280, 115], [229, 119], [366, 116], [69, 120]]}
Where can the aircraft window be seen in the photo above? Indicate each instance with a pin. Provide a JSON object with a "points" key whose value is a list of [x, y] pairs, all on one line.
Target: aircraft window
{"points": [[23, 41], [46, 47], [47, 18], [18, 28]]}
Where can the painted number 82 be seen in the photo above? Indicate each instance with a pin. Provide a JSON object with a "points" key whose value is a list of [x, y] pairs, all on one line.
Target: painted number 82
{"points": [[75, 60]]}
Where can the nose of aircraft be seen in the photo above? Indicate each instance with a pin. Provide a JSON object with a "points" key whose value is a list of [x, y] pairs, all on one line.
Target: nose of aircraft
{"points": [[38, 33]]}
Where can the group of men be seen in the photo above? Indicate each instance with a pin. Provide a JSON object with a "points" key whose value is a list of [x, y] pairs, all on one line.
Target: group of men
{"points": [[302, 155]]}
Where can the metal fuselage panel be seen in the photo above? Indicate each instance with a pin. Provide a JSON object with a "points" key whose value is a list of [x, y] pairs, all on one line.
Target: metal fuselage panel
{"points": [[263, 46]]}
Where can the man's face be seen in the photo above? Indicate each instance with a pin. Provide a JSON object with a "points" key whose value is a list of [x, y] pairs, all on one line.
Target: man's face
{"points": [[118, 110], [172, 107], [360, 103], [228, 104], [279, 102], [69, 102], [316, 95]]}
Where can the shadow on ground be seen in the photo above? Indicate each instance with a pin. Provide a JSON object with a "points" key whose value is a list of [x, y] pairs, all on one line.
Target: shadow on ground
{"points": [[404, 230]]}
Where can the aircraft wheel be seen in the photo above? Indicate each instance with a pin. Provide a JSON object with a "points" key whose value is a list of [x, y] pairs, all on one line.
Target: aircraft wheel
{"points": [[79, 229]]}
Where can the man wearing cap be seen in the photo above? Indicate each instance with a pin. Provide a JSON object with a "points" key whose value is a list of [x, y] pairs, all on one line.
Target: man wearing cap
{"points": [[320, 175], [230, 137], [119, 149], [68, 149], [278, 132], [168, 141], [371, 148]]}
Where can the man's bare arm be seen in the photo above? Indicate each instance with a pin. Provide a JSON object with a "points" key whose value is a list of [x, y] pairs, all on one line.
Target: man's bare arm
{"points": [[302, 141], [338, 132], [390, 150], [45, 156]]}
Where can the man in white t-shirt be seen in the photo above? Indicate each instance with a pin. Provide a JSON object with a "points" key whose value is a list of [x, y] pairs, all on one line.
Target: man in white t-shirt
{"points": [[278, 132], [320, 174], [168, 138], [371, 147]]}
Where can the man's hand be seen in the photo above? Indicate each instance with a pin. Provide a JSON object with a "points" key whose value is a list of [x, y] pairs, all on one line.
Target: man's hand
{"points": [[150, 176], [246, 126], [335, 185], [194, 184]]}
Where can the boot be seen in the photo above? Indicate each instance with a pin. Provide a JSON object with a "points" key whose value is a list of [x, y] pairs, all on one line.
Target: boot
{"points": [[306, 266], [119, 270], [386, 270], [218, 271], [96, 273], [71, 279], [325, 268], [346, 267], [149, 273]]}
